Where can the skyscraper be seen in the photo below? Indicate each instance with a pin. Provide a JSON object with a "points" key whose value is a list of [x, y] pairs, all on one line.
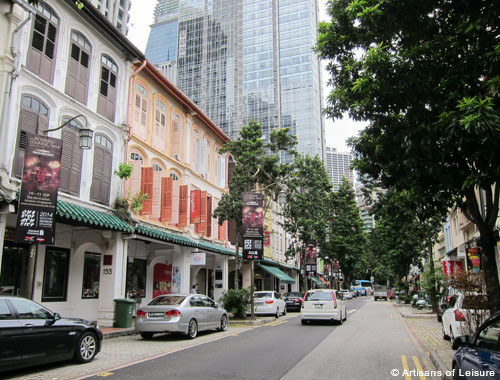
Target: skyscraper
{"points": [[116, 11], [244, 59], [337, 166]]}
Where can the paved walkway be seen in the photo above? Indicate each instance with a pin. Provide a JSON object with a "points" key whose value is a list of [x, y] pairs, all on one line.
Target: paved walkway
{"points": [[427, 331]]}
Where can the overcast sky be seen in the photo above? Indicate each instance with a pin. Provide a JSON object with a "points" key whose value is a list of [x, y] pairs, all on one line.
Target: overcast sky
{"points": [[141, 16]]}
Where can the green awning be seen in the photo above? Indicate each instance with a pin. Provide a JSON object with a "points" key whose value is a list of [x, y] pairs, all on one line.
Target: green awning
{"points": [[79, 215], [318, 282], [216, 248], [278, 273], [159, 234]]}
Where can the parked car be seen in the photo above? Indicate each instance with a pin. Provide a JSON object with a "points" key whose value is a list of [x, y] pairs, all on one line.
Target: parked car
{"points": [[31, 334], [293, 300], [346, 294], [269, 302], [323, 304], [479, 355], [183, 313], [459, 318], [444, 301]]}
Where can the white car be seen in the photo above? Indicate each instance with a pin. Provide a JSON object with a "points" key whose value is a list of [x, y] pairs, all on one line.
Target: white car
{"points": [[346, 294], [459, 319], [269, 302], [323, 304]]}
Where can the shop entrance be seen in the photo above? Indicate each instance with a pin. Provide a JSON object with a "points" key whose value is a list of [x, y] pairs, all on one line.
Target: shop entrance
{"points": [[13, 279]]}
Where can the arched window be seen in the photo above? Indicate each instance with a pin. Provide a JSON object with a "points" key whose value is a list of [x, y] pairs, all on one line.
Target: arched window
{"points": [[160, 125], [136, 157], [198, 152], [106, 102], [41, 57], [141, 111], [33, 118], [103, 163], [77, 79], [156, 167], [174, 176], [207, 153], [176, 137], [220, 168], [71, 158]]}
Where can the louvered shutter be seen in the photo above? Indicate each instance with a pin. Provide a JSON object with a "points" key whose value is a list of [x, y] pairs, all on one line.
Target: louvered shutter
{"points": [[222, 231], [76, 164], [83, 77], [183, 205], [97, 175], [71, 163], [134, 183], [175, 202], [209, 216], [166, 199], [107, 172], [201, 227], [157, 195], [72, 75], [29, 122], [147, 188], [42, 51], [176, 137]]}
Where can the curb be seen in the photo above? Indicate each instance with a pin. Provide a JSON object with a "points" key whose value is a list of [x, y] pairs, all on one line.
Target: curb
{"points": [[440, 366], [414, 315], [116, 334]]}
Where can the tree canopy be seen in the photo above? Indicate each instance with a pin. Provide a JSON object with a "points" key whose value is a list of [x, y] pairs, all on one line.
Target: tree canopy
{"points": [[424, 74]]}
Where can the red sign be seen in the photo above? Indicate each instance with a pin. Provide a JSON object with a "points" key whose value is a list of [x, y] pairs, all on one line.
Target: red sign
{"points": [[267, 238], [458, 266], [195, 215], [162, 279], [448, 268]]}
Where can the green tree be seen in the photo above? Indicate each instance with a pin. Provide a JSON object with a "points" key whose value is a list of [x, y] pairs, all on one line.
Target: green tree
{"points": [[255, 162], [305, 211], [424, 75], [346, 240]]}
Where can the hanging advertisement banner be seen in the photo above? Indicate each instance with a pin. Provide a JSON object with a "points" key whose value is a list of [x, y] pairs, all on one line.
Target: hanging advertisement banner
{"points": [[474, 256], [253, 226], [162, 279], [195, 207], [448, 268], [311, 258], [36, 214]]}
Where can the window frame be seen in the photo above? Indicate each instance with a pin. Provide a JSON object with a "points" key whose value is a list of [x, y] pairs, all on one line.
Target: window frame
{"points": [[95, 295], [63, 298]]}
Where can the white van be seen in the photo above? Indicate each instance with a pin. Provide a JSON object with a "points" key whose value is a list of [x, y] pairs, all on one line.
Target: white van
{"points": [[323, 304]]}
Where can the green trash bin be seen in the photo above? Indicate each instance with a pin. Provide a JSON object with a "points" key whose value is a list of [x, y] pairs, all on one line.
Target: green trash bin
{"points": [[124, 309]]}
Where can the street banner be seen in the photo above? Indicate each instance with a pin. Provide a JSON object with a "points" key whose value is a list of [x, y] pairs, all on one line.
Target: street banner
{"points": [[36, 214], [474, 256], [195, 215], [253, 226], [311, 258], [448, 268], [162, 279]]}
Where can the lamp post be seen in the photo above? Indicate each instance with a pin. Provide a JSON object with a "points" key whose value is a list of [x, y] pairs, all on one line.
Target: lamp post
{"points": [[85, 140]]}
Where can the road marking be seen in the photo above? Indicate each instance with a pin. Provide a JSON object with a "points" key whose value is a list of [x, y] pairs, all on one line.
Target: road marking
{"points": [[104, 374], [390, 316], [419, 367], [352, 311], [235, 334], [276, 323], [405, 366]]}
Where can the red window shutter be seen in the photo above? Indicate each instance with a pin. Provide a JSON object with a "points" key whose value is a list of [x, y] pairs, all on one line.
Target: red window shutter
{"points": [[157, 197], [147, 188], [201, 228], [209, 216], [222, 231], [232, 235], [166, 199], [134, 183], [183, 205]]}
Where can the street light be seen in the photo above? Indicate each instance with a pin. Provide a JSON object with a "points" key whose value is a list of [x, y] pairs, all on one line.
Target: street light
{"points": [[84, 134]]}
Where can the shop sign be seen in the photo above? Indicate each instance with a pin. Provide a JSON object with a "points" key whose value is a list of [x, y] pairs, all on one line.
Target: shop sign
{"points": [[198, 258], [36, 217], [195, 207], [473, 255], [448, 268], [253, 226]]}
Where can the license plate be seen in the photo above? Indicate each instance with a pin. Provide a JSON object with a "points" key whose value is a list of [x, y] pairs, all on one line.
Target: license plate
{"points": [[318, 306], [156, 315]]}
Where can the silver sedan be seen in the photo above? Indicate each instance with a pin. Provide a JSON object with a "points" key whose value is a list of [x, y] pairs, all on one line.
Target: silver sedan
{"points": [[184, 313]]}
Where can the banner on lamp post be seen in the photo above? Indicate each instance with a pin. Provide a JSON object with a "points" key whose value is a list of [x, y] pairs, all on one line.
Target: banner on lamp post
{"points": [[195, 207], [36, 216], [253, 226], [311, 258]]}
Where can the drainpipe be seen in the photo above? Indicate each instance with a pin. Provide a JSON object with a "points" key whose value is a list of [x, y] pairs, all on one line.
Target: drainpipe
{"points": [[11, 77]]}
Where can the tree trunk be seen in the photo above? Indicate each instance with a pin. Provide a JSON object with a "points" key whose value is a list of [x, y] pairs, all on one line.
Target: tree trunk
{"points": [[489, 265], [238, 262], [432, 274]]}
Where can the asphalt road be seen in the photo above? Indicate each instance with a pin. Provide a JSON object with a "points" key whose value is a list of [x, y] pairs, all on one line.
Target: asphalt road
{"points": [[267, 352]]}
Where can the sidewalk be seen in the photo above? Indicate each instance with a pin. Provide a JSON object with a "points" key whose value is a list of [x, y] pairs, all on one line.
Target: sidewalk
{"points": [[427, 331]]}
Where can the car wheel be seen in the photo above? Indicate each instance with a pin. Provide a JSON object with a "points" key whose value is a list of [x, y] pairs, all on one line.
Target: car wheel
{"points": [[87, 348], [192, 329], [456, 373], [445, 337], [440, 318], [284, 310], [277, 315], [341, 320], [146, 335], [304, 321], [223, 323], [345, 315], [452, 338]]}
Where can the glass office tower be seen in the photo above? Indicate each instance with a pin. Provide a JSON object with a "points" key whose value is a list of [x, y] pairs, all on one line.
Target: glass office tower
{"points": [[245, 59]]}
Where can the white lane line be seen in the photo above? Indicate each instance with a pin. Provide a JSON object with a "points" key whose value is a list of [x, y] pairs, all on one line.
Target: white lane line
{"points": [[352, 311]]}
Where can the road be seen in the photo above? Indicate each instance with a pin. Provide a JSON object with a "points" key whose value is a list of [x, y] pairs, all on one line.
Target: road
{"points": [[372, 342]]}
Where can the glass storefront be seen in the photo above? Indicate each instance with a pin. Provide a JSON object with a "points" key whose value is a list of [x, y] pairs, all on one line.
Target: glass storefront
{"points": [[14, 269]]}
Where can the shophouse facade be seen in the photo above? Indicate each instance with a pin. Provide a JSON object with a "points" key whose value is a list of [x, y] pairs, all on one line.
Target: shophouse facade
{"points": [[62, 62]]}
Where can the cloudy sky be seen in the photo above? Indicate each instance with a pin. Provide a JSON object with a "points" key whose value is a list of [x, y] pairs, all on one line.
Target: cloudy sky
{"points": [[141, 16]]}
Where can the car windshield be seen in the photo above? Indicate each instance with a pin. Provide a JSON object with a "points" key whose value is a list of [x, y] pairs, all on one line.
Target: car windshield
{"points": [[319, 296], [168, 300], [294, 295], [263, 295]]}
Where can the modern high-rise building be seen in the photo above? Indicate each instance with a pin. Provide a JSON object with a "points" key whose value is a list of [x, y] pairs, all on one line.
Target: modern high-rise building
{"points": [[116, 11], [244, 59], [337, 166]]}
